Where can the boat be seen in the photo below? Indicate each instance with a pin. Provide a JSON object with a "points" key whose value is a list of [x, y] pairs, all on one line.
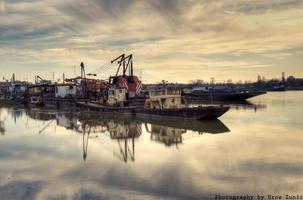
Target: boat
{"points": [[165, 103], [277, 88], [221, 93]]}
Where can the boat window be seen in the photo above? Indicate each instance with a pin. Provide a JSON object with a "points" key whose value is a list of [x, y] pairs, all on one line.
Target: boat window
{"points": [[71, 87], [131, 80]]}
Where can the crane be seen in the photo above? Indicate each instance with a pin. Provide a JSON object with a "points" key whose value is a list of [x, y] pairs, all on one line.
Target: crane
{"points": [[126, 62], [39, 79]]}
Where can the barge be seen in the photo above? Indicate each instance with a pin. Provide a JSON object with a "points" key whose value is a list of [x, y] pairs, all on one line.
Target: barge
{"points": [[107, 110], [161, 104], [221, 93], [165, 103], [197, 113]]}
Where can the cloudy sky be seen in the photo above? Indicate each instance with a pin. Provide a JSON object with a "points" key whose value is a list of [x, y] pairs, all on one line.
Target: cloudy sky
{"points": [[175, 40]]}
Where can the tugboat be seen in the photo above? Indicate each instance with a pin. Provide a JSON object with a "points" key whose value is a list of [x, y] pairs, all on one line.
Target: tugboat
{"points": [[166, 103]]}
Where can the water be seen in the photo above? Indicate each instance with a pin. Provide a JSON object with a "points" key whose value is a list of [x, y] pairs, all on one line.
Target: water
{"points": [[255, 149]]}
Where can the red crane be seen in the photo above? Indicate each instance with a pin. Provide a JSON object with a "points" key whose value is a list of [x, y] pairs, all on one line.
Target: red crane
{"points": [[129, 81]]}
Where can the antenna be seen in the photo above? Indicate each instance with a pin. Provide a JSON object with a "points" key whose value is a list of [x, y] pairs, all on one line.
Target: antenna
{"points": [[74, 70], [82, 70]]}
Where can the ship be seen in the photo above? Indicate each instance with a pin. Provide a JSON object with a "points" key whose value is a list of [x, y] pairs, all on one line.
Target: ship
{"points": [[221, 93], [166, 103], [124, 90]]}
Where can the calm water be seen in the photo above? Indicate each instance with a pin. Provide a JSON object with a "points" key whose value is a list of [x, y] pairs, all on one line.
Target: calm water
{"points": [[255, 148]]}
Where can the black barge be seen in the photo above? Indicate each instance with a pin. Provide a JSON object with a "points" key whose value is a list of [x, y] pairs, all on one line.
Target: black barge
{"points": [[196, 113]]}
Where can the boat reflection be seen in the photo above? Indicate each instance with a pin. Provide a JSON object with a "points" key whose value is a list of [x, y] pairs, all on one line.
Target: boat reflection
{"points": [[238, 105], [88, 128], [123, 131], [2, 128], [173, 132], [39, 114]]}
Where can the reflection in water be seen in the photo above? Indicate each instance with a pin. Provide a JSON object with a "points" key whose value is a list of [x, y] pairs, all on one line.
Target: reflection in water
{"points": [[2, 128], [173, 132], [16, 114], [263, 152], [124, 131], [166, 135]]}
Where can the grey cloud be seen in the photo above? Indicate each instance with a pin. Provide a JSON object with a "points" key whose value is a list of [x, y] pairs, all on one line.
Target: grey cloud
{"points": [[252, 7], [170, 9], [96, 10], [92, 195]]}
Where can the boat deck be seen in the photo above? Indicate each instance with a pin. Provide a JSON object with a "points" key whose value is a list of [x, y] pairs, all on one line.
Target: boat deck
{"points": [[197, 113]]}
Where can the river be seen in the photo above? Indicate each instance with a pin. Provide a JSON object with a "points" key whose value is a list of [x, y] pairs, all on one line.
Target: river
{"points": [[254, 149]]}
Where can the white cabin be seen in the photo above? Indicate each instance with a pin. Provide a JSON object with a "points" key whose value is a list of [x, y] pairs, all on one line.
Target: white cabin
{"points": [[117, 96], [65, 91], [164, 99]]}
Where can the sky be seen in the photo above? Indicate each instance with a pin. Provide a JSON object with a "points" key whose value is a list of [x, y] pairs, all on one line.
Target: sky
{"points": [[173, 40]]}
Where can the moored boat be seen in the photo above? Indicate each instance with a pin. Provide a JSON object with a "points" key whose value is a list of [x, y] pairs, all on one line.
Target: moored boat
{"points": [[166, 103], [197, 113], [221, 93]]}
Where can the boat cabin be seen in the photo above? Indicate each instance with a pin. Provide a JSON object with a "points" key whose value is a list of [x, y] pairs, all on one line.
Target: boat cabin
{"points": [[164, 99], [117, 96]]}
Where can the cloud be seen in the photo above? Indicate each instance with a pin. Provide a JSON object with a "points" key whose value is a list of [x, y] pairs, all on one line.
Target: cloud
{"points": [[161, 31], [258, 6], [2, 7]]}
